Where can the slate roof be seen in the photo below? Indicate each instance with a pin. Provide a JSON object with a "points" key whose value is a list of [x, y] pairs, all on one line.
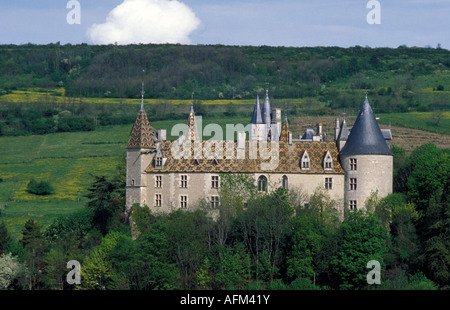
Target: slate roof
{"points": [[267, 110], [365, 136], [257, 116], [289, 159]]}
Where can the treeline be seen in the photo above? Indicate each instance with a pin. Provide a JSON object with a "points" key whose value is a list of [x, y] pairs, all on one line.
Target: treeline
{"points": [[281, 240], [38, 118], [215, 71]]}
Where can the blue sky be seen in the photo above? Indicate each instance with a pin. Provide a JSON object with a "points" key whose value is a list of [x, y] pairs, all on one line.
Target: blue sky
{"points": [[245, 22]]}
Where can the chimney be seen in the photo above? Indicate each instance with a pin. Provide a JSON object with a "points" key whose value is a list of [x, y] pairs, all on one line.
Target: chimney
{"points": [[290, 138], [162, 134], [241, 140]]}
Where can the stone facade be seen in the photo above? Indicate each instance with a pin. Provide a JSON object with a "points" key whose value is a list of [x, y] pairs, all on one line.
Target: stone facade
{"points": [[349, 169]]}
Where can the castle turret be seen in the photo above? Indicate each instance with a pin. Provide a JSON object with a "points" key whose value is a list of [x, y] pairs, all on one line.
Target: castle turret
{"points": [[366, 159], [141, 148], [267, 115], [257, 126]]}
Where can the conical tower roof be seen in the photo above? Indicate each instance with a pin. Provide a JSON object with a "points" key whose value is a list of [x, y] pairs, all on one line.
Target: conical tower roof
{"points": [[143, 135], [366, 136], [267, 110], [257, 116]]}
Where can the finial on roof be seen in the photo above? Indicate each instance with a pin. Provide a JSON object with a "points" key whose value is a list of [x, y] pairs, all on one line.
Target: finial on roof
{"points": [[192, 103], [142, 95], [285, 111]]}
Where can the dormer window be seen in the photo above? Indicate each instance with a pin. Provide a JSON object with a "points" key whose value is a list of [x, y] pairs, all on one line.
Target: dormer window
{"points": [[305, 162], [328, 161], [159, 159]]}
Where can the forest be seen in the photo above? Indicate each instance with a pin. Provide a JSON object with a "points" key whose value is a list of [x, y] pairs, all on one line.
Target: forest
{"points": [[283, 240], [211, 71], [330, 79]]}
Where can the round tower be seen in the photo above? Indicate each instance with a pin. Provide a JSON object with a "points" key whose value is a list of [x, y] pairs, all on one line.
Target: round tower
{"points": [[366, 160]]}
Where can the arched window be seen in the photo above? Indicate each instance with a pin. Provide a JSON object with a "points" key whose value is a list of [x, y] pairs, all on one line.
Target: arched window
{"points": [[284, 182], [262, 184]]}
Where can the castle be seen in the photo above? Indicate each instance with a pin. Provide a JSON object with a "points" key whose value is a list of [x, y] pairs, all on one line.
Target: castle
{"points": [[169, 174]]}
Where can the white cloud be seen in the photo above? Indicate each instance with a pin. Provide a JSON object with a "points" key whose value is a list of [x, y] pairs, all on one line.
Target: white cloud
{"points": [[146, 21]]}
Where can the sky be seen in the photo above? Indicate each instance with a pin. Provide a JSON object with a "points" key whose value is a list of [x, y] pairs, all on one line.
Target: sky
{"points": [[296, 23]]}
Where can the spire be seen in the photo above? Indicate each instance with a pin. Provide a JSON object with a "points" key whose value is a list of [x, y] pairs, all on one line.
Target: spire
{"points": [[365, 136], [142, 95], [143, 135], [267, 110], [192, 126], [256, 116], [284, 136], [192, 104]]}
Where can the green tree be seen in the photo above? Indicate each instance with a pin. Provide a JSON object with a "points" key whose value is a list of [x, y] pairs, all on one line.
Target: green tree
{"points": [[5, 237], [306, 243], [426, 172], [100, 195], [35, 245], [403, 228], [147, 263], [263, 226], [97, 270], [188, 241], [232, 267], [435, 231], [39, 188], [362, 239]]}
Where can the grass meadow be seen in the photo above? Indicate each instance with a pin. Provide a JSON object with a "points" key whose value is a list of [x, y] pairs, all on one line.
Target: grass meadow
{"points": [[438, 122]]}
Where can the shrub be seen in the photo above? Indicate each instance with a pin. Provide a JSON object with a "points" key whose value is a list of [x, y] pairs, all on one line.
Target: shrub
{"points": [[39, 188]]}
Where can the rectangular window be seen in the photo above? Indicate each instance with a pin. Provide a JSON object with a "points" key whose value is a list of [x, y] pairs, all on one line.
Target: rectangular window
{"points": [[353, 184], [353, 164], [158, 183], [158, 200], [328, 183], [214, 201], [183, 202], [159, 161], [215, 181], [183, 183], [328, 165], [352, 204]]}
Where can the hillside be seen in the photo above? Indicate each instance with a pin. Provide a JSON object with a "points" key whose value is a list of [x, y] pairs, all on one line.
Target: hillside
{"points": [[397, 80]]}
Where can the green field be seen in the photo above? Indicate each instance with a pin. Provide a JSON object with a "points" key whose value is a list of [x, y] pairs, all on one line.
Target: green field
{"points": [[66, 160], [429, 121]]}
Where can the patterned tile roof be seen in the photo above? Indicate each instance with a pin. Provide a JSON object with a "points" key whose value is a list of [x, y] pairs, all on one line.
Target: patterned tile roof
{"points": [[142, 135], [288, 160], [284, 136]]}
